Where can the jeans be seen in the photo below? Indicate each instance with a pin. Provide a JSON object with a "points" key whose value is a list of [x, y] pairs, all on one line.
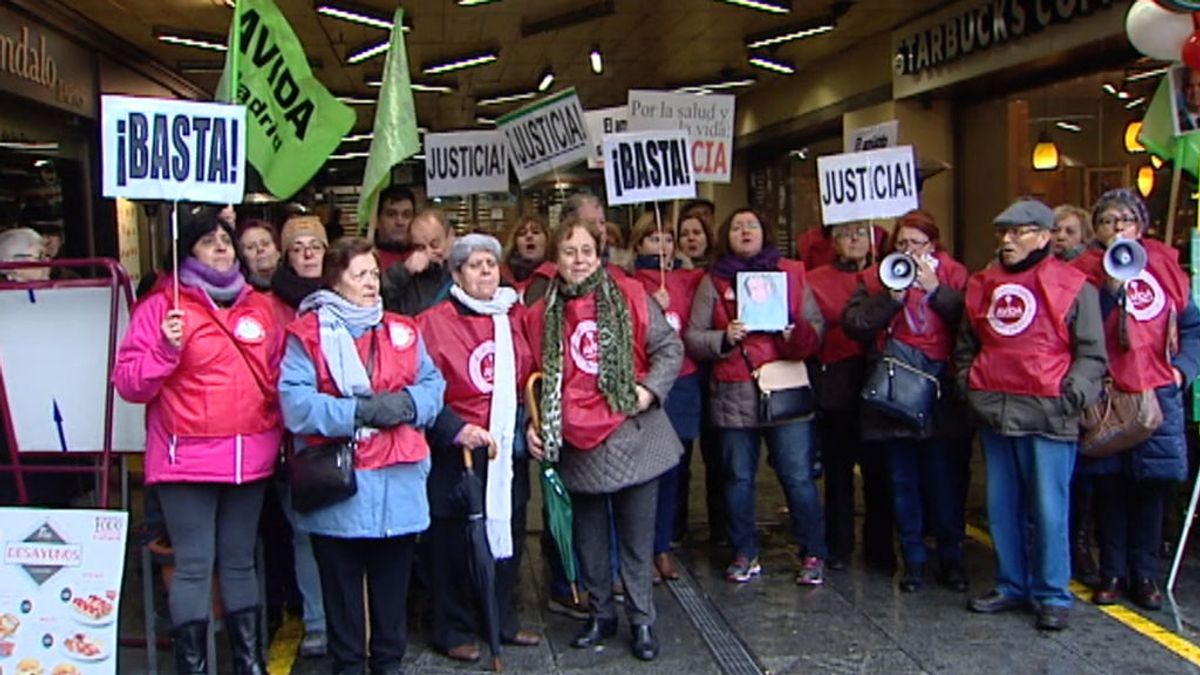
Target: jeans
{"points": [[790, 447], [308, 579], [1028, 496], [1130, 516], [926, 473]]}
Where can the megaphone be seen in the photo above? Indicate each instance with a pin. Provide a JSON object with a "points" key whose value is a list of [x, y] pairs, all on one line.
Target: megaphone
{"points": [[898, 271], [1124, 259]]}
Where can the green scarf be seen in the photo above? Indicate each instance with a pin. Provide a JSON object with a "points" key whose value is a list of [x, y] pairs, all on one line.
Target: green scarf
{"points": [[616, 378]]}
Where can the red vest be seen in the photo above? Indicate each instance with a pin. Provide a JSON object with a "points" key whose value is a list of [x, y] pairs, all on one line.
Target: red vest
{"points": [[587, 419], [463, 347], [396, 365], [389, 258], [1021, 322], [1162, 289], [225, 382], [681, 286], [833, 287], [917, 324], [761, 347]]}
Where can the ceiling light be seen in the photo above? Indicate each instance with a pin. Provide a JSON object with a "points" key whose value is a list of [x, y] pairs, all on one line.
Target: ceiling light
{"points": [[485, 120], [1132, 144], [1145, 181], [1045, 153], [709, 87], [775, 7], [363, 16], [420, 157], [473, 3], [1109, 88], [356, 100], [797, 32], [460, 63], [355, 138], [1135, 103], [187, 38], [367, 51], [546, 80], [421, 87], [506, 98], [597, 60], [770, 64], [363, 154], [1147, 74], [1123, 95], [1068, 126], [1155, 162]]}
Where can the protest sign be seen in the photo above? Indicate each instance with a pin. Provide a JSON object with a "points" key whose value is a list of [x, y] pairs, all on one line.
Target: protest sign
{"points": [[863, 185], [648, 166], [601, 123], [171, 150], [465, 163], [873, 137], [707, 119], [60, 588], [545, 135]]}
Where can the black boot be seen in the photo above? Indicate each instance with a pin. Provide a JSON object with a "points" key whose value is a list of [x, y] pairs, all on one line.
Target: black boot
{"points": [[190, 642], [245, 642]]}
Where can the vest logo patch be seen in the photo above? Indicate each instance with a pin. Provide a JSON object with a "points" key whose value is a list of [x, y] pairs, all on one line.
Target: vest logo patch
{"points": [[730, 295], [481, 366], [674, 321], [1144, 297], [1012, 309], [248, 329], [585, 347], [402, 336]]}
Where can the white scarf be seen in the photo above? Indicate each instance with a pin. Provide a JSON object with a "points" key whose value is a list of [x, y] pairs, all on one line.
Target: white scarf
{"points": [[502, 417]]}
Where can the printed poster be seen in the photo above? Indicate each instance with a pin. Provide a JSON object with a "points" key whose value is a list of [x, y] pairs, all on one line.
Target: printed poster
{"points": [[60, 590], [762, 300]]}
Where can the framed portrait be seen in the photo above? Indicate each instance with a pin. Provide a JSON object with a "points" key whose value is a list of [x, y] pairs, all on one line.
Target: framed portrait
{"points": [[1185, 95], [762, 300], [1100, 179]]}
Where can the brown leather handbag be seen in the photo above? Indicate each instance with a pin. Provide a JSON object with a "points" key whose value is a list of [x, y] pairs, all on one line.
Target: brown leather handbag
{"points": [[1118, 421]]}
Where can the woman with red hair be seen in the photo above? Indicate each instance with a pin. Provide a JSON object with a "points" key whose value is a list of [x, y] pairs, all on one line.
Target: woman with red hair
{"points": [[927, 463]]}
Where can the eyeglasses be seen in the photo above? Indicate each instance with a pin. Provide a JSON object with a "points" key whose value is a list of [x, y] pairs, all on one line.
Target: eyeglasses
{"points": [[860, 232], [911, 243], [1115, 221], [1016, 232], [315, 247]]}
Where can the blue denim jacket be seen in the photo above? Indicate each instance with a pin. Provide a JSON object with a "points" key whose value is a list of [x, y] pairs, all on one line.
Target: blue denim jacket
{"points": [[390, 501]]}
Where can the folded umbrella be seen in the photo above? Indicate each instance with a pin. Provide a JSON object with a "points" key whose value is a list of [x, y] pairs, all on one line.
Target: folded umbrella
{"points": [[480, 562], [559, 514]]}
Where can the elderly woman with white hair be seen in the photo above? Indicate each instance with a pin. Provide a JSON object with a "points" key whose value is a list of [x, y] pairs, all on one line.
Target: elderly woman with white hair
{"points": [[19, 245], [475, 338]]}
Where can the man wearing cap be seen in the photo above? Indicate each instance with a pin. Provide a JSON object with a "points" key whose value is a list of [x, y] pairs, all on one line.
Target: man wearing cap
{"points": [[1030, 356]]}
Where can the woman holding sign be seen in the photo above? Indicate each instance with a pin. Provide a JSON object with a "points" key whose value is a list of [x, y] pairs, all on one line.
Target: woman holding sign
{"points": [[205, 366], [672, 287], [716, 333], [609, 358]]}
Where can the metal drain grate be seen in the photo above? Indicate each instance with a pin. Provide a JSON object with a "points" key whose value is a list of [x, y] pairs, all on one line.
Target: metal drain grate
{"points": [[732, 655]]}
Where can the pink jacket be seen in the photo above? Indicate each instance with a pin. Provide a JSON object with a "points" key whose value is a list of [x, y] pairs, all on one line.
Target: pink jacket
{"points": [[147, 363]]}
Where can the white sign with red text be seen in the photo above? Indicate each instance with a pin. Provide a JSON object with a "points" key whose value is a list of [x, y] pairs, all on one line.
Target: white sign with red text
{"points": [[60, 589], [707, 119]]}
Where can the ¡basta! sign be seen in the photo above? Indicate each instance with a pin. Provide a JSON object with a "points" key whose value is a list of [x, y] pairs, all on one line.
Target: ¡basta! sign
{"points": [[863, 185], [648, 166], [173, 150]]}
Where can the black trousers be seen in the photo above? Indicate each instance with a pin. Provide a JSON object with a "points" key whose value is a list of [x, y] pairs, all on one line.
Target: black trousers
{"points": [[841, 449], [1130, 516], [456, 617], [387, 563]]}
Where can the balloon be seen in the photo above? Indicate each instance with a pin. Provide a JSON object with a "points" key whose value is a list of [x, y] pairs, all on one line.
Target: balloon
{"points": [[1156, 32], [1191, 51]]}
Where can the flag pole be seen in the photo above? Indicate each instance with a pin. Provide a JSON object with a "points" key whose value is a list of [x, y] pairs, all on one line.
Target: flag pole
{"points": [[1173, 200], [175, 249], [662, 258], [235, 57]]}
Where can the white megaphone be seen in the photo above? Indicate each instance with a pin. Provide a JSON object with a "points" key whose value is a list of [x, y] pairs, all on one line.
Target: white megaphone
{"points": [[1124, 259], [898, 271]]}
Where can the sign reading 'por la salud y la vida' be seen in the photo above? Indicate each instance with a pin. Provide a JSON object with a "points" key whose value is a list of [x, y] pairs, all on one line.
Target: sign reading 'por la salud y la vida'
{"points": [[466, 162], [172, 150], [862, 185], [707, 119], [545, 135], [643, 166]]}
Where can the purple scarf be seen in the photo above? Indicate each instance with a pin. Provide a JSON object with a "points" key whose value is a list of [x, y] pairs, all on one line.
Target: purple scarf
{"points": [[220, 286], [728, 265]]}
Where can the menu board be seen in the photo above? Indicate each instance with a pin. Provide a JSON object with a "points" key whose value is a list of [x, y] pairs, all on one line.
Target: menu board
{"points": [[60, 589]]}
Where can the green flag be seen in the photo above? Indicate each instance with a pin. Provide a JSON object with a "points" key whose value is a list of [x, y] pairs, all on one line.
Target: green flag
{"points": [[1158, 132], [293, 123], [395, 138]]}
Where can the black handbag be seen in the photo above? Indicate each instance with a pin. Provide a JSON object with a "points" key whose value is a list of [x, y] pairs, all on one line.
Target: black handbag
{"points": [[904, 384], [322, 475], [784, 392]]}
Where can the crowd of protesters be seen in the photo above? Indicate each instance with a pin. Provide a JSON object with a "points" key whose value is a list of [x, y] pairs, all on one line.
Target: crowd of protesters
{"points": [[418, 346]]}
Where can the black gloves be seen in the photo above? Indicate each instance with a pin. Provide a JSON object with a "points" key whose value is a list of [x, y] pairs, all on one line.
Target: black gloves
{"points": [[386, 410]]}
